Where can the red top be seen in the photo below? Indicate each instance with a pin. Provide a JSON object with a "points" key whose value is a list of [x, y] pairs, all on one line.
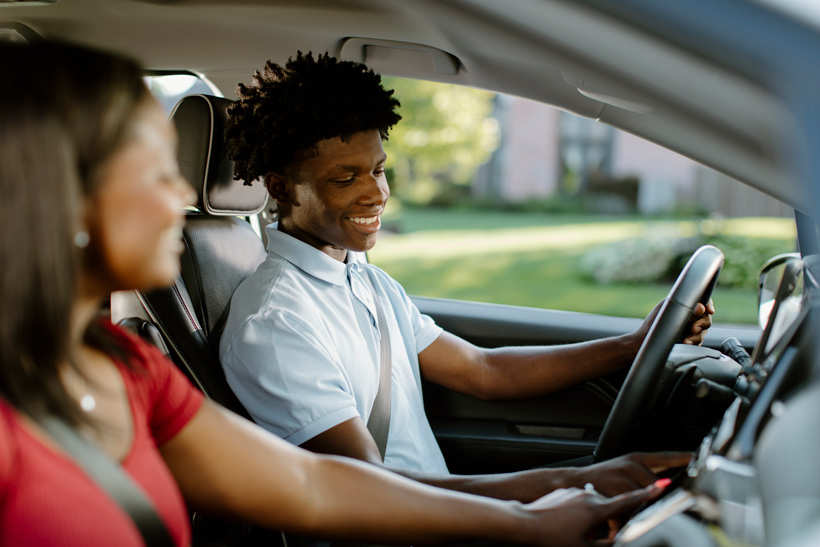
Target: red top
{"points": [[46, 499]]}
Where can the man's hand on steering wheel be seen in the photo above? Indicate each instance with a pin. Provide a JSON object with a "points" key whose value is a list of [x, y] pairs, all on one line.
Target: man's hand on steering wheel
{"points": [[700, 323]]}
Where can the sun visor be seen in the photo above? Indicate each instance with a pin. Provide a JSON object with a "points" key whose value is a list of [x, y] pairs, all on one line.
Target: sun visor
{"points": [[385, 55]]}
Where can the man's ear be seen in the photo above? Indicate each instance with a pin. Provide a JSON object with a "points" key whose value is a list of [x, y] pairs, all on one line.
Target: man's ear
{"points": [[277, 186]]}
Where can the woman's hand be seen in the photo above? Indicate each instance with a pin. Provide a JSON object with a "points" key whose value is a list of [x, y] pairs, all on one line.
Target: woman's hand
{"points": [[627, 473], [574, 517]]}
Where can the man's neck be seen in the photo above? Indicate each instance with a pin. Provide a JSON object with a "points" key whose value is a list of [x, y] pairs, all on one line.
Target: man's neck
{"points": [[336, 253]]}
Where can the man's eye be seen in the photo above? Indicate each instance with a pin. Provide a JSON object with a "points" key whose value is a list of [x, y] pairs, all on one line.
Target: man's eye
{"points": [[347, 180], [379, 172]]}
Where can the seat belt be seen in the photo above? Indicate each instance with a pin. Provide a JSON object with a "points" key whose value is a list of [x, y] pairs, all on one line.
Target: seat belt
{"points": [[109, 476], [379, 422]]}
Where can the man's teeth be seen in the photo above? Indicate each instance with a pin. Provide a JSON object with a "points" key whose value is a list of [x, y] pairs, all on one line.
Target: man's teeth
{"points": [[368, 220]]}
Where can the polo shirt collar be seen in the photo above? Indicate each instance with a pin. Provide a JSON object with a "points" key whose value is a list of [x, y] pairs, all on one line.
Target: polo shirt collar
{"points": [[307, 258]]}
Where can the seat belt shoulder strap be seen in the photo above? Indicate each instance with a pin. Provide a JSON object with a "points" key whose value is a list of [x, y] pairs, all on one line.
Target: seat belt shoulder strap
{"points": [[109, 476], [379, 422]]}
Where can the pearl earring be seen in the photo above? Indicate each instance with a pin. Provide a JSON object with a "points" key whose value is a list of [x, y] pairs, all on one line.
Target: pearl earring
{"points": [[81, 239]]}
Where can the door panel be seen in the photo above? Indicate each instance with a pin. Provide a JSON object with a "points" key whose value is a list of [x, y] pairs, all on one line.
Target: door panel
{"points": [[480, 437]]}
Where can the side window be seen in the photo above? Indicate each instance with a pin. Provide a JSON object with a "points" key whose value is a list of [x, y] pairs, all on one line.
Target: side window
{"points": [[170, 88], [504, 200]]}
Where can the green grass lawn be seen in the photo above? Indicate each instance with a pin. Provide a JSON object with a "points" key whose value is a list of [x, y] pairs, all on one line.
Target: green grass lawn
{"points": [[530, 259]]}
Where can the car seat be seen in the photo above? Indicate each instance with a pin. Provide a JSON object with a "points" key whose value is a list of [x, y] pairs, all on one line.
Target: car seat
{"points": [[221, 250]]}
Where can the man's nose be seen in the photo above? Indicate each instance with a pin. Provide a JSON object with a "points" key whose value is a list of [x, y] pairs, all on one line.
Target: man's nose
{"points": [[376, 192]]}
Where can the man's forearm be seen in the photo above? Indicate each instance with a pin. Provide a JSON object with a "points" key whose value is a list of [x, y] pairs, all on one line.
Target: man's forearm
{"points": [[524, 486], [523, 372]]}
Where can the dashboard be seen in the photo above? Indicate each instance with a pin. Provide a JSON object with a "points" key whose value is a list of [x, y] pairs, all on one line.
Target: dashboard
{"points": [[721, 498]]}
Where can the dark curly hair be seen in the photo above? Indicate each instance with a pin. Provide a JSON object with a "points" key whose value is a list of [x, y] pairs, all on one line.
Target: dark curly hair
{"points": [[281, 117]]}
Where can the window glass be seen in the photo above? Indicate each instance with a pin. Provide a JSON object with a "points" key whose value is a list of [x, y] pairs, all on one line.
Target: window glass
{"points": [[504, 200], [170, 88]]}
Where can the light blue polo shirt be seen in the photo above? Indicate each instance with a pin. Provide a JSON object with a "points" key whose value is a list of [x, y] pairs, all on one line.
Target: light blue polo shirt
{"points": [[301, 350]]}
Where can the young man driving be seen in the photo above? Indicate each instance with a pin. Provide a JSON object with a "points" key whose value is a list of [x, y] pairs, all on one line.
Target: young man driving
{"points": [[302, 342]]}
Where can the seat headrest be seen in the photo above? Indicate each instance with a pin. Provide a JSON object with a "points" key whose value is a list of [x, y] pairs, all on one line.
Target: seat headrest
{"points": [[200, 122]]}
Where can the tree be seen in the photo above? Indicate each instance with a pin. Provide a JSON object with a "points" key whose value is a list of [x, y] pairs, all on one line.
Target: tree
{"points": [[446, 133]]}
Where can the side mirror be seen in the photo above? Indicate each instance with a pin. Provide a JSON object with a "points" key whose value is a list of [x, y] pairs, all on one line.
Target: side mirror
{"points": [[780, 302], [771, 290]]}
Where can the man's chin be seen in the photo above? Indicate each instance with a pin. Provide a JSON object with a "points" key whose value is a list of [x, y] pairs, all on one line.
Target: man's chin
{"points": [[362, 246]]}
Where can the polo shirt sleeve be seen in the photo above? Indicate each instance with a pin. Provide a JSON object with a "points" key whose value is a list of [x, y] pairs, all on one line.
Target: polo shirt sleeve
{"points": [[425, 330], [286, 379]]}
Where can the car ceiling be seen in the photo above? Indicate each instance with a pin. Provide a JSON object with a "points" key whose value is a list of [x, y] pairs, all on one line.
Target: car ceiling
{"points": [[567, 54]]}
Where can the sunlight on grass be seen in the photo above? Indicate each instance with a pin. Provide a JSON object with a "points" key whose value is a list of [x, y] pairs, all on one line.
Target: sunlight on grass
{"points": [[474, 256], [774, 228], [453, 243]]}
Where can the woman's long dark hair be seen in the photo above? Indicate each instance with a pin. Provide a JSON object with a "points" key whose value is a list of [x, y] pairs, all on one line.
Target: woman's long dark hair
{"points": [[64, 110]]}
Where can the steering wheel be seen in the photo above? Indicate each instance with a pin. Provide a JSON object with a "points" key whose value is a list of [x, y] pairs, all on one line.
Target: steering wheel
{"points": [[694, 284]]}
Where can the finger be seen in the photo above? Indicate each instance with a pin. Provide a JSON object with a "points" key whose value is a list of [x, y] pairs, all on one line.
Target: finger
{"points": [[640, 477], [557, 496], [563, 493], [701, 318], [698, 329], [628, 502], [614, 526], [699, 310], [634, 479], [635, 475], [710, 307], [660, 461]]}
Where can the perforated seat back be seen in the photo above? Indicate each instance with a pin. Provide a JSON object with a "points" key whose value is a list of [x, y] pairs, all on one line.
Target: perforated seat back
{"points": [[222, 250], [221, 253]]}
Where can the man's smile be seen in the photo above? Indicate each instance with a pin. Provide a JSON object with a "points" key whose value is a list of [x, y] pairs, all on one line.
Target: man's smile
{"points": [[364, 220]]}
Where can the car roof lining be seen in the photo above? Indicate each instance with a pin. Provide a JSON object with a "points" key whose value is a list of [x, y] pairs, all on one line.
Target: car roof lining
{"points": [[570, 56]]}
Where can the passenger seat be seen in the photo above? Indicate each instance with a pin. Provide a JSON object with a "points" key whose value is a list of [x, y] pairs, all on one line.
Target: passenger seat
{"points": [[221, 250]]}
